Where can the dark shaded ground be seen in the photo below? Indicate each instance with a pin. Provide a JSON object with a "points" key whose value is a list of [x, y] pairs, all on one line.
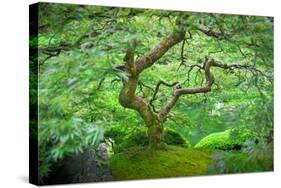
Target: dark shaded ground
{"points": [[80, 168]]}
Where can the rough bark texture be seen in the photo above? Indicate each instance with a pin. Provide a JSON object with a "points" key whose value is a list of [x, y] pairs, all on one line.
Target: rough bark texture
{"points": [[150, 58], [128, 98]]}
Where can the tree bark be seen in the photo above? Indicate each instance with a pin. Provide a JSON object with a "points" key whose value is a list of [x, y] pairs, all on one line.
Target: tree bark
{"points": [[156, 136], [127, 96], [154, 120]]}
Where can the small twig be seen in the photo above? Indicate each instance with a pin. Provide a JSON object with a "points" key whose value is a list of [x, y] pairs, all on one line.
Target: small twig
{"points": [[156, 91], [189, 71], [102, 80], [144, 85], [114, 80], [50, 53], [182, 55]]}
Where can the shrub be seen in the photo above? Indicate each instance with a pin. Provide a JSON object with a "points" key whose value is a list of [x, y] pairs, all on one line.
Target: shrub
{"points": [[124, 140], [116, 133], [253, 158], [60, 137], [226, 140], [174, 138]]}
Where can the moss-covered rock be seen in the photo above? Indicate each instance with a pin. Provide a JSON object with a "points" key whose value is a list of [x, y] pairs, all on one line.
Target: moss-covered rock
{"points": [[223, 140], [145, 163]]}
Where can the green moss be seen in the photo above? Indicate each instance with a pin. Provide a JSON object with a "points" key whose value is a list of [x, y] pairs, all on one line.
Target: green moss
{"points": [[222, 140], [144, 163], [172, 137]]}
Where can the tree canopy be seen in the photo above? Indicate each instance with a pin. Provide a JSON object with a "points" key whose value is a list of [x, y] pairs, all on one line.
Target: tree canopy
{"points": [[102, 68]]}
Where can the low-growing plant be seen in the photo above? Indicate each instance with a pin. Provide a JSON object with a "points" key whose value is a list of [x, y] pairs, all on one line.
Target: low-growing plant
{"points": [[254, 157], [226, 140]]}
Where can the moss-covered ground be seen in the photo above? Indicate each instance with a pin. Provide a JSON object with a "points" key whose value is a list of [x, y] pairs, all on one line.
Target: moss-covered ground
{"points": [[145, 163]]}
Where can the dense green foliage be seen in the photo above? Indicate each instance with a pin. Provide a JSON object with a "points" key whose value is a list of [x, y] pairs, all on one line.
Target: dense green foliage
{"points": [[254, 158], [79, 86], [138, 137], [224, 140], [173, 137]]}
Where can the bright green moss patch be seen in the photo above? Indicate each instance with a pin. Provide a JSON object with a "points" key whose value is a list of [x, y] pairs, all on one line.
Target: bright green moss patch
{"points": [[225, 140], [220, 140], [143, 163]]}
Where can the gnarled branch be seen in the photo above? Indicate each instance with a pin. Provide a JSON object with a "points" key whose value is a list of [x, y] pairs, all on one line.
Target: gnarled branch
{"points": [[155, 54], [156, 91], [210, 32], [127, 97], [178, 91], [162, 116]]}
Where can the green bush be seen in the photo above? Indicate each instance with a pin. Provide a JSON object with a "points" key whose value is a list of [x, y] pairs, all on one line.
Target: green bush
{"points": [[116, 133], [253, 158], [124, 140], [226, 140], [139, 138], [59, 138], [172, 137]]}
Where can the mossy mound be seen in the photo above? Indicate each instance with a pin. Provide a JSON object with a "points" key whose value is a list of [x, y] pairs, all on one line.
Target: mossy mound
{"points": [[140, 138], [172, 137], [223, 140], [144, 163]]}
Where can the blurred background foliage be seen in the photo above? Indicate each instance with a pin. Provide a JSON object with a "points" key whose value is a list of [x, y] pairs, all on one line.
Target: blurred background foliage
{"points": [[78, 87]]}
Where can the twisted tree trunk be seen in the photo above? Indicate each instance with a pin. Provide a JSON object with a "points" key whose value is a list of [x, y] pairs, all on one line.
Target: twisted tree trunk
{"points": [[154, 120], [128, 98]]}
